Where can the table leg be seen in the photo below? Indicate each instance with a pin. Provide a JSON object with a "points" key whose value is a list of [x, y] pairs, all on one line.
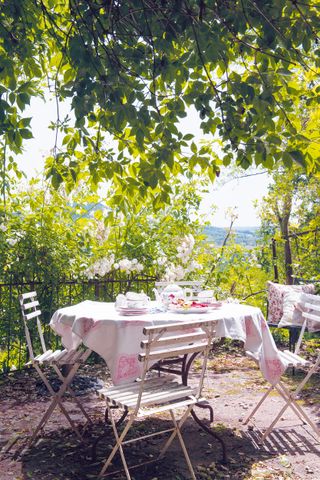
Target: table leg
{"points": [[186, 365]]}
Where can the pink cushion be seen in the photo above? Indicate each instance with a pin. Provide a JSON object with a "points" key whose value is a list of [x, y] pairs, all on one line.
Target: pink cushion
{"points": [[276, 293]]}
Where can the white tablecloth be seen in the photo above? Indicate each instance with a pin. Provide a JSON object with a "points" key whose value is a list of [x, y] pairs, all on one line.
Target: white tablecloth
{"points": [[117, 338]]}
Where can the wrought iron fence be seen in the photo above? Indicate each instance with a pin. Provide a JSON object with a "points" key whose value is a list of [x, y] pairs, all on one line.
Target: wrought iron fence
{"points": [[52, 295], [302, 250]]}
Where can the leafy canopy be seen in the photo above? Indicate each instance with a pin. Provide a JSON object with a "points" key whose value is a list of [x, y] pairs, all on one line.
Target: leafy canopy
{"points": [[133, 69]]}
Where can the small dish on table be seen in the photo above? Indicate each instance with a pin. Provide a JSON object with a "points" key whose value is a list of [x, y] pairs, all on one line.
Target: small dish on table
{"points": [[215, 304], [132, 310], [182, 306]]}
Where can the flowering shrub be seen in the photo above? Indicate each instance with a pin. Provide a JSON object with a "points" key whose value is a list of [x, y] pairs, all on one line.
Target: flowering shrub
{"points": [[105, 265], [177, 267], [182, 264], [40, 241]]}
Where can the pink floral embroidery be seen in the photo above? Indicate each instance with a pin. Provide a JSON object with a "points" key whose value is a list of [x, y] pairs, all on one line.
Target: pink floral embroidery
{"points": [[263, 323], [131, 323], [249, 327], [191, 330], [274, 367], [128, 367], [86, 325]]}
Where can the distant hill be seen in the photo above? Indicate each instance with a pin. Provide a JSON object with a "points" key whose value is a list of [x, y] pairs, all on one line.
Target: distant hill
{"points": [[246, 236]]}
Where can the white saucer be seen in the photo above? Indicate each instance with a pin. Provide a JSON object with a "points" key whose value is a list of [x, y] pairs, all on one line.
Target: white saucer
{"points": [[132, 311]]}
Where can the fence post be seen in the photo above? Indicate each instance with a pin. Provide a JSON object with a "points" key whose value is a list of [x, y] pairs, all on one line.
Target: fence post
{"points": [[274, 260]]}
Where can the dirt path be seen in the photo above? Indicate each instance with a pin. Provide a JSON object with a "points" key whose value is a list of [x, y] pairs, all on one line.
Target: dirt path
{"points": [[233, 387]]}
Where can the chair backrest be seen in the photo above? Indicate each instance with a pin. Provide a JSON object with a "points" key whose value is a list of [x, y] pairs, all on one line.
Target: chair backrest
{"points": [[30, 310], [311, 315], [176, 339]]}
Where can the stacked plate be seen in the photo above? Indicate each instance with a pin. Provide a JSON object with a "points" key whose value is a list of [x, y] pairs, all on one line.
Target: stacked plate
{"points": [[193, 308], [132, 310]]}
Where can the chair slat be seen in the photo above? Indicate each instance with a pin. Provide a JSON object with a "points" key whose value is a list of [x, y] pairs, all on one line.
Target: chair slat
{"points": [[174, 352], [313, 306], [27, 306], [185, 338], [296, 360], [25, 296], [163, 408], [135, 386], [160, 397], [59, 354], [190, 283], [69, 358], [311, 316], [127, 394], [41, 358], [179, 326], [31, 315]]}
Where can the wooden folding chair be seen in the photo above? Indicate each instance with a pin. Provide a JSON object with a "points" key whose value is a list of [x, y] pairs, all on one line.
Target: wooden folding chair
{"points": [[57, 359], [149, 396], [311, 313]]}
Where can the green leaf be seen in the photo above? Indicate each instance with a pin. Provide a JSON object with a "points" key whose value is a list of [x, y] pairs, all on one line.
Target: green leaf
{"points": [[298, 157], [140, 137], [25, 133], [188, 136], [285, 72], [193, 148], [273, 139], [287, 159], [56, 180]]}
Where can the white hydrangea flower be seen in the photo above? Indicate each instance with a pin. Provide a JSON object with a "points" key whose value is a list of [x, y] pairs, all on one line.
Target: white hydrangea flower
{"points": [[161, 260], [11, 241], [193, 266], [101, 267], [125, 265], [174, 273], [139, 267]]}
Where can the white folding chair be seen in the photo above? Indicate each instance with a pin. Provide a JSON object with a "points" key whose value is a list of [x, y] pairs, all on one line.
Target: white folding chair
{"points": [[311, 312], [153, 395], [57, 359]]}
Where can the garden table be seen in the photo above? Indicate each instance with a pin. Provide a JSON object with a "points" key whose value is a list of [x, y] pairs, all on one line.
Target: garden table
{"points": [[116, 338]]}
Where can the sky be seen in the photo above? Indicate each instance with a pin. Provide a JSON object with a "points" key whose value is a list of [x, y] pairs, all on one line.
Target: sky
{"points": [[225, 194], [238, 195]]}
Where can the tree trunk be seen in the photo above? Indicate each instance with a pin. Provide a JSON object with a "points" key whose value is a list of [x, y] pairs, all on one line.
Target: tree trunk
{"points": [[284, 225]]}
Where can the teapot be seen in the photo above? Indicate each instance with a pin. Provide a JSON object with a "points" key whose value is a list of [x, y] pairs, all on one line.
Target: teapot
{"points": [[169, 293]]}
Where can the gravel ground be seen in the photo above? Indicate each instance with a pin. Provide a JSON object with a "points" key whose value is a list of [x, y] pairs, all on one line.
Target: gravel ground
{"points": [[233, 386]]}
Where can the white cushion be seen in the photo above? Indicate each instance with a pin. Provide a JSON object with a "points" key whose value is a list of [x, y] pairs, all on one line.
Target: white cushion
{"points": [[292, 309]]}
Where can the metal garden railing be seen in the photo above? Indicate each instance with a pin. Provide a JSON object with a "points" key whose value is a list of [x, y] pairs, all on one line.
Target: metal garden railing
{"points": [[52, 295], [303, 250]]}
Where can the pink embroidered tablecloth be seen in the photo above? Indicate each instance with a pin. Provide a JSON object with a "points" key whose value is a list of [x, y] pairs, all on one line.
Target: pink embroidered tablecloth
{"points": [[117, 338]]}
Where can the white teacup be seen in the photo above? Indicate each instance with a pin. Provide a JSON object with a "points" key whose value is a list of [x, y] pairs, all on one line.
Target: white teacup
{"points": [[206, 296], [121, 301], [136, 303], [137, 300]]}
